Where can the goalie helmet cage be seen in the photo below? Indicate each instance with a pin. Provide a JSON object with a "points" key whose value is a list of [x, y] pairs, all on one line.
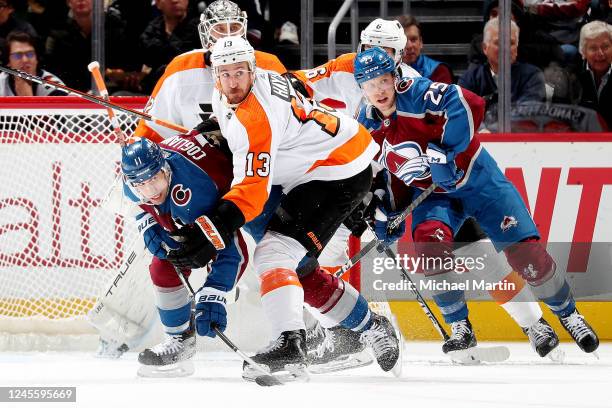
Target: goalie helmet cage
{"points": [[58, 248]]}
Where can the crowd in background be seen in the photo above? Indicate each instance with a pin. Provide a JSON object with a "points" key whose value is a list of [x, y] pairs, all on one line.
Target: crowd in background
{"points": [[561, 51]]}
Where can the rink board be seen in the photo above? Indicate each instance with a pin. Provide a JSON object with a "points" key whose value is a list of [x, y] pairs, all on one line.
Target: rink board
{"points": [[567, 181]]}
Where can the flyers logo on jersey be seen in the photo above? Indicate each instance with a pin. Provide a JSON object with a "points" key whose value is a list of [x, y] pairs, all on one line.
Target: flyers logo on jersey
{"points": [[405, 160], [180, 195]]}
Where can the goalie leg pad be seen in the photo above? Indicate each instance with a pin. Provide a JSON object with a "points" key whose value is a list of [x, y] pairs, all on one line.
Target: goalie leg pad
{"points": [[121, 318]]}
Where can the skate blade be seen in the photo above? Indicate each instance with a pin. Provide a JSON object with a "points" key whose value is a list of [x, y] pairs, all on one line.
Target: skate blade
{"points": [[348, 362], [290, 373], [398, 367], [476, 355], [180, 369], [556, 355], [595, 354]]}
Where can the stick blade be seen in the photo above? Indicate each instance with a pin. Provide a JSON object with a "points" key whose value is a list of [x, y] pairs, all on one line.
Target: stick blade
{"points": [[267, 381]]}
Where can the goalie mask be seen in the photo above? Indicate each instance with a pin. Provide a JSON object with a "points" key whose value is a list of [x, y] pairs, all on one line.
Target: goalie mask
{"points": [[145, 171], [386, 34], [222, 18]]}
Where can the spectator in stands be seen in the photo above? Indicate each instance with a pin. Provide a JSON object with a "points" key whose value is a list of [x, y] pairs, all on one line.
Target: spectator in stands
{"points": [[595, 78], [562, 19], [8, 21], [168, 35], [527, 81], [68, 46], [536, 46], [20, 52], [428, 67]]}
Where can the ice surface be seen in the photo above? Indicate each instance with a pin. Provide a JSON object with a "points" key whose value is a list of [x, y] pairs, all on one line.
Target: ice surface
{"points": [[429, 380]]}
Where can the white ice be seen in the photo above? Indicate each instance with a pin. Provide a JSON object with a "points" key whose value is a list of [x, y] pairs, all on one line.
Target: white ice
{"points": [[429, 380]]}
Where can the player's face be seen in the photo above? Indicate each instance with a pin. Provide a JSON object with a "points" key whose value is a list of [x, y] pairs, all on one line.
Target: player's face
{"points": [[598, 53], [413, 45], [155, 189], [235, 81], [22, 56], [380, 92]]}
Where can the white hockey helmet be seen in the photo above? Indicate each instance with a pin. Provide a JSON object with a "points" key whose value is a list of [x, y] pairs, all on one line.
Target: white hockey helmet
{"points": [[230, 50], [384, 33], [221, 18]]}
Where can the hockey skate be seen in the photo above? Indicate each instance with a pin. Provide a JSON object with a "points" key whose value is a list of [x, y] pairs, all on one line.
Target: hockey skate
{"points": [[543, 339], [383, 341], [286, 356], [171, 358], [335, 349], [461, 346], [582, 333]]}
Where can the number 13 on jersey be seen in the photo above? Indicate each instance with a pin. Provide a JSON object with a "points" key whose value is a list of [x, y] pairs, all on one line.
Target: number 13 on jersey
{"points": [[263, 169]]}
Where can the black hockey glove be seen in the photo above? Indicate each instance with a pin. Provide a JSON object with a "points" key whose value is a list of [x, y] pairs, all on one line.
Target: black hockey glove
{"points": [[208, 235], [363, 215]]}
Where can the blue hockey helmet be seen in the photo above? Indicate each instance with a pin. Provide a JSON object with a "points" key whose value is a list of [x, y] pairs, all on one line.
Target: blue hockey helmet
{"points": [[371, 64], [141, 160]]}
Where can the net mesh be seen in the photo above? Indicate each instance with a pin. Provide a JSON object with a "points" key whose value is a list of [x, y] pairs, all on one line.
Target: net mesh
{"points": [[58, 246]]}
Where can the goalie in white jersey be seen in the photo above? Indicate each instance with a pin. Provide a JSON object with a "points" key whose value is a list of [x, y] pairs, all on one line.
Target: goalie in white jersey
{"points": [[322, 160]]}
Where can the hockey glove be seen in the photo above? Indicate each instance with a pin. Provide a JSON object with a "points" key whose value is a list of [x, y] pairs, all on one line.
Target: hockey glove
{"points": [[157, 240], [444, 171], [381, 226], [358, 220], [200, 243], [210, 310]]}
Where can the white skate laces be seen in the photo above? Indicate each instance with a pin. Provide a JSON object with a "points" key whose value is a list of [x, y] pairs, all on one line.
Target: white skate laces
{"points": [[377, 338], [172, 344], [575, 324], [327, 343], [274, 345], [459, 329], [539, 333]]}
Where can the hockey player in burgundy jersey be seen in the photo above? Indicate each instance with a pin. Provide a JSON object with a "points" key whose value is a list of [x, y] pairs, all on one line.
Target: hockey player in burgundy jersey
{"points": [[175, 184], [427, 134]]}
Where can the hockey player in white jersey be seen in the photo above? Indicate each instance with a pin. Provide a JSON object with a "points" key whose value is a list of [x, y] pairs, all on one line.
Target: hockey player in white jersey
{"points": [[322, 161], [182, 96]]}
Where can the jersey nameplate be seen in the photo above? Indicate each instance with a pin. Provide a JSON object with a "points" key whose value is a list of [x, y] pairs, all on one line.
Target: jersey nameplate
{"points": [[279, 87]]}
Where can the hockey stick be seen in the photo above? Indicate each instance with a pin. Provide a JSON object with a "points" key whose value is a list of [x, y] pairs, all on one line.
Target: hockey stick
{"points": [[266, 379], [467, 356], [92, 98], [374, 243], [94, 68]]}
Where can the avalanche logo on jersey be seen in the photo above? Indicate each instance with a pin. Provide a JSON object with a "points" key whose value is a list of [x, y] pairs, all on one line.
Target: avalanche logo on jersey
{"points": [[405, 160], [180, 196]]}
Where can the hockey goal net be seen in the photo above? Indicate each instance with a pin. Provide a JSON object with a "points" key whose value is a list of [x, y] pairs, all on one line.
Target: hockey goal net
{"points": [[57, 246]]}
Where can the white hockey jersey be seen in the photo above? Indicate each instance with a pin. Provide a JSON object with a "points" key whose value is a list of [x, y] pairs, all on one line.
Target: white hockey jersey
{"points": [[183, 94], [279, 138], [334, 82]]}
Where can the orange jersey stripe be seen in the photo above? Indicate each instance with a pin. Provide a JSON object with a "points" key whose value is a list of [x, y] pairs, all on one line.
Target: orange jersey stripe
{"points": [[251, 193], [277, 278], [504, 296], [348, 152]]}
